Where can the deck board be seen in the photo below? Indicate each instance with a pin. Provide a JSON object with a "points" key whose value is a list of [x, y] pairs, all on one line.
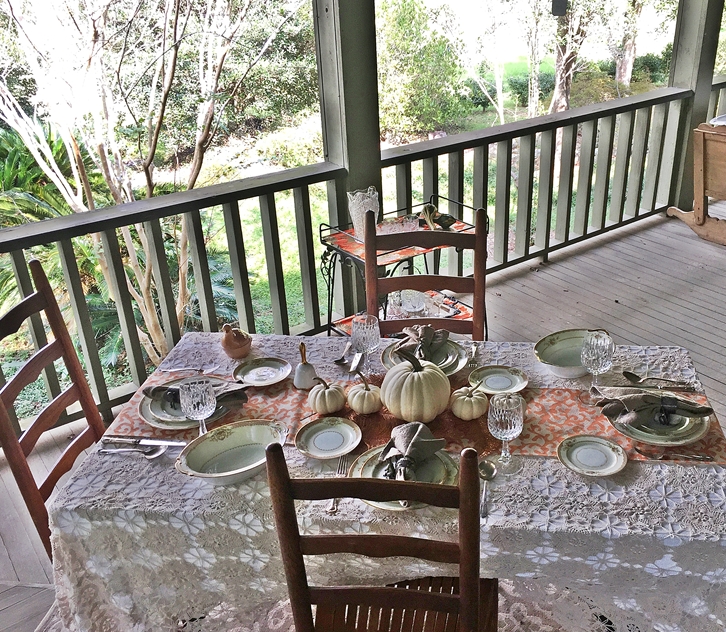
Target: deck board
{"points": [[654, 282]]}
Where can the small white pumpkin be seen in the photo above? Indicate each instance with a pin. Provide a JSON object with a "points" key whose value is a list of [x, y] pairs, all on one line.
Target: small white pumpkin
{"points": [[326, 398], [468, 403], [415, 390], [364, 398]]}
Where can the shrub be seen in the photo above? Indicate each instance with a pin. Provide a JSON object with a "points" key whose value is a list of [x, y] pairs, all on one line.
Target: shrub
{"points": [[519, 86], [477, 96]]}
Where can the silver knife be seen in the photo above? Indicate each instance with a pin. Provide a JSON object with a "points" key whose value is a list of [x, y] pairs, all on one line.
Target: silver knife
{"points": [[355, 364], [127, 440]]}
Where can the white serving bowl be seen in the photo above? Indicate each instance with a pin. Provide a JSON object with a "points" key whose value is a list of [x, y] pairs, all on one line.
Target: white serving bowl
{"points": [[561, 352], [230, 453]]}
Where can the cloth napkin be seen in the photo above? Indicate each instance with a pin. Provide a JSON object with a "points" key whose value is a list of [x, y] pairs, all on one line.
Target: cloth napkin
{"points": [[422, 340], [229, 392], [410, 445], [635, 407]]}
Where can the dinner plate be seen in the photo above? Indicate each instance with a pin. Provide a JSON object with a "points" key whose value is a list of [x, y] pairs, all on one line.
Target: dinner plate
{"points": [[439, 468], [174, 419], [450, 358], [497, 378], [262, 371], [682, 431], [160, 413], [591, 456], [328, 437]]}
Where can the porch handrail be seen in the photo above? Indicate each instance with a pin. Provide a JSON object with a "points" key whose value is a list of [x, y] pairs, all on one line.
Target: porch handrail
{"points": [[575, 116], [117, 216]]}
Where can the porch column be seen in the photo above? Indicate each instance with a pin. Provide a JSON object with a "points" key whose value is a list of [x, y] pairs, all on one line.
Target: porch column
{"points": [[694, 55], [345, 35]]}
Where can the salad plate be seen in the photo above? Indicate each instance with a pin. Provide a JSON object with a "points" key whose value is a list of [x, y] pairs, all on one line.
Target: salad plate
{"points": [[262, 371], [591, 456], [328, 437], [496, 378], [439, 468]]}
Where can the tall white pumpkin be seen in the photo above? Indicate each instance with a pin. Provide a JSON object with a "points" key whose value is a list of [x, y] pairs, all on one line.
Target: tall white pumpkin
{"points": [[415, 390]]}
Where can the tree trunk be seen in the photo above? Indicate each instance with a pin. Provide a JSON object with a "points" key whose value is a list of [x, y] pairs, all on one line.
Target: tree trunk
{"points": [[624, 63]]}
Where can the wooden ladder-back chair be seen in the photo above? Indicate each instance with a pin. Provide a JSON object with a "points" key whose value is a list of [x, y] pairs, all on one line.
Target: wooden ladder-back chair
{"points": [[17, 449], [444, 604], [377, 286]]}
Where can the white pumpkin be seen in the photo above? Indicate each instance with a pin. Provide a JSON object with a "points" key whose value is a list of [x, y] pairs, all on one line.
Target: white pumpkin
{"points": [[364, 398], [468, 403], [326, 398], [415, 390]]}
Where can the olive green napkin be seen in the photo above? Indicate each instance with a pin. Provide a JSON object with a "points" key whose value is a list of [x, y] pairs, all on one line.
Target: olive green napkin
{"points": [[410, 445], [423, 341], [635, 407]]}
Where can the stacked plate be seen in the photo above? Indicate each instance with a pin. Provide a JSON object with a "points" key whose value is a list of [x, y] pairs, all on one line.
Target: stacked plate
{"points": [[160, 413], [439, 468], [681, 431], [450, 357]]}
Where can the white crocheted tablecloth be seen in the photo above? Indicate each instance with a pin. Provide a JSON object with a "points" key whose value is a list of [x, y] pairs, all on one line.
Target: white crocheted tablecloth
{"points": [[138, 546]]}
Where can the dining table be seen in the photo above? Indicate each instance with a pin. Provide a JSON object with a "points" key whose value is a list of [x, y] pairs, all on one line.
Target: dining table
{"points": [[138, 545]]}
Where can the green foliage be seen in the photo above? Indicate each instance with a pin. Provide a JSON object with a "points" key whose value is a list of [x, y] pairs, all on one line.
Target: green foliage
{"points": [[592, 86], [421, 80], [519, 86], [26, 194], [652, 68], [476, 94], [293, 146]]}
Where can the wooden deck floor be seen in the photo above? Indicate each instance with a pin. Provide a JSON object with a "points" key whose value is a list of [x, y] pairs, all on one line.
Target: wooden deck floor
{"points": [[653, 283]]}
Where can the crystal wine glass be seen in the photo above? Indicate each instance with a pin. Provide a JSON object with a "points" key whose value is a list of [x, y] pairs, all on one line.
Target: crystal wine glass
{"points": [[506, 420], [366, 337], [198, 401], [598, 349]]}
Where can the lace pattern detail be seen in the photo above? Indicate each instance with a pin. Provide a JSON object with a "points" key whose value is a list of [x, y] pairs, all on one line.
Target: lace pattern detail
{"points": [[138, 546]]}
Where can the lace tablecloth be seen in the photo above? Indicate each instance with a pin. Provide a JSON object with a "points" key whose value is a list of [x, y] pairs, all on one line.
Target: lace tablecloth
{"points": [[138, 546]]}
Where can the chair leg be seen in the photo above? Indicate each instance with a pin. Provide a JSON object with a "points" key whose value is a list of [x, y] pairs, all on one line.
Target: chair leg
{"points": [[488, 605]]}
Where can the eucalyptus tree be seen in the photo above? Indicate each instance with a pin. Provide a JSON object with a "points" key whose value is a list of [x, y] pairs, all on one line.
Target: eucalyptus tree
{"points": [[107, 75]]}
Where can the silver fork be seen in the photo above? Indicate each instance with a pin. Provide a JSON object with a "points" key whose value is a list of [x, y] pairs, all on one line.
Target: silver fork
{"points": [[341, 471], [472, 364]]}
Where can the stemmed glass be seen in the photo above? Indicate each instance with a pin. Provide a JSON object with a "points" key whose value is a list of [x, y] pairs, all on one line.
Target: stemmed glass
{"points": [[506, 420], [365, 336], [198, 401], [598, 349]]}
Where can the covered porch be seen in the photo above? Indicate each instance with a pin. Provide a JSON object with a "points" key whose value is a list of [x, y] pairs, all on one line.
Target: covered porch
{"points": [[652, 283], [583, 243]]}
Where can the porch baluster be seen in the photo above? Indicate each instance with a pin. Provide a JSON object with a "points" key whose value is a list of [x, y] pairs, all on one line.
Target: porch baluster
{"points": [[238, 264], [637, 162], [584, 177]]}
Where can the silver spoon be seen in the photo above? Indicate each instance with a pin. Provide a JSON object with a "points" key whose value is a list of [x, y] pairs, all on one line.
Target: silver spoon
{"points": [[658, 455], [148, 453], [341, 359], [487, 471], [634, 378]]}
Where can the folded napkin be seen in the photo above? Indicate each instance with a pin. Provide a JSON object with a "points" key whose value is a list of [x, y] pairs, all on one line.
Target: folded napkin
{"points": [[635, 407], [422, 340], [229, 392], [410, 445]]}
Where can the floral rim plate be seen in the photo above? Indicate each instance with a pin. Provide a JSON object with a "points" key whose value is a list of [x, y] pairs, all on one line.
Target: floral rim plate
{"points": [[160, 414], [497, 378], [685, 430], [262, 371], [328, 437], [439, 468], [591, 456], [450, 358]]}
